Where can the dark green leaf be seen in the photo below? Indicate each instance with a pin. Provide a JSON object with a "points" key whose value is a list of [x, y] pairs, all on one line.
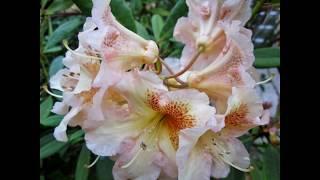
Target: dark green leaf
{"points": [[46, 139], [58, 5], [55, 65], [271, 163], [160, 11], [64, 31], [52, 121], [76, 136], [157, 25], [123, 14], [235, 175], [180, 9], [141, 30], [53, 49], [267, 57], [104, 168], [51, 148], [136, 5], [45, 108], [42, 178], [84, 5], [82, 171]]}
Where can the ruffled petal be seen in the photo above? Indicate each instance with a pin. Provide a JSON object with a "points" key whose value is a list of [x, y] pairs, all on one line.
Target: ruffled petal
{"points": [[244, 111], [60, 108]]}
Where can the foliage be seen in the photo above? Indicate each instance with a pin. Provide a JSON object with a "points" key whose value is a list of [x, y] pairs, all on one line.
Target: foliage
{"points": [[151, 19]]}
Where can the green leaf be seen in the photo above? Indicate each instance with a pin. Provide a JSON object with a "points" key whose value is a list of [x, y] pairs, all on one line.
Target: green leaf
{"points": [[55, 65], [267, 57], [136, 5], [141, 30], [271, 163], [42, 178], [82, 171], [53, 49], [235, 175], [51, 148], [46, 139], [160, 11], [52, 121], [104, 168], [76, 136], [180, 9], [84, 5], [58, 5], [64, 31], [45, 108], [123, 14], [157, 25]]}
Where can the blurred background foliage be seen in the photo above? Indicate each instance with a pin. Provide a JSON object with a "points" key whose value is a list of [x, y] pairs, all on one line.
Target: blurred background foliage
{"points": [[63, 19]]}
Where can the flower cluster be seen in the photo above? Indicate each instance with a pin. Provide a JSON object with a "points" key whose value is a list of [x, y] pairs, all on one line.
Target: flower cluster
{"points": [[181, 123]]}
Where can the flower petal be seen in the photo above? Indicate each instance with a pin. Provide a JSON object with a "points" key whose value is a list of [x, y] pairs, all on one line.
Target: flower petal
{"points": [[244, 111]]}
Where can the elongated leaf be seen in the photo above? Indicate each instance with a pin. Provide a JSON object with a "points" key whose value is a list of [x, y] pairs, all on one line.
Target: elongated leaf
{"points": [[55, 65], [53, 50], [51, 148], [141, 30], [52, 121], [45, 108], [46, 139], [123, 14], [271, 163], [267, 57], [136, 5], [64, 31], [82, 172], [160, 11], [157, 25], [84, 5], [76, 136], [104, 169], [180, 9], [58, 5]]}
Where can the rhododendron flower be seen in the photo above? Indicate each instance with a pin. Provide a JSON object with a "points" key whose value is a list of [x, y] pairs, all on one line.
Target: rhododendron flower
{"points": [[203, 153], [119, 48], [227, 51], [144, 137]]}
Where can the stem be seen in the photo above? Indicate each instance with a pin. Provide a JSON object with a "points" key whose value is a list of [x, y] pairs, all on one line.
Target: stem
{"points": [[50, 25], [42, 58], [174, 85], [171, 72], [193, 60]]}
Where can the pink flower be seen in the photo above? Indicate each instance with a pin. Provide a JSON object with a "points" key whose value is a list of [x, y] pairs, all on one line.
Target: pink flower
{"points": [[203, 153], [144, 138], [216, 26]]}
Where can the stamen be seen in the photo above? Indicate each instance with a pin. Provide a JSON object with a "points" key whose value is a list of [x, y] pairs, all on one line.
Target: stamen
{"points": [[93, 163], [132, 160], [65, 43], [222, 154], [192, 61], [267, 80], [52, 94]]}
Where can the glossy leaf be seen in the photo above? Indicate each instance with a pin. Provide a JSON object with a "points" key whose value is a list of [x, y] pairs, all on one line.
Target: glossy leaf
{"points": [[82, 171], [157, 25], [55, 65], [45, 108], [85, 6], [123, 14], [179, 10], [51, 148], [58, 5], [64, 31], [141, 30], [267, 57], [104, 168], [52, 121]]}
